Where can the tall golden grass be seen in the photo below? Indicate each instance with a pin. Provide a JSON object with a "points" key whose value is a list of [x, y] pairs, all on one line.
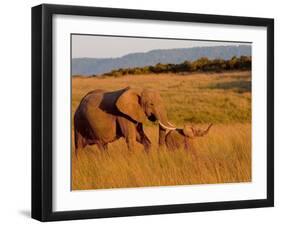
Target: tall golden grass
{"points": [[223, 156]]}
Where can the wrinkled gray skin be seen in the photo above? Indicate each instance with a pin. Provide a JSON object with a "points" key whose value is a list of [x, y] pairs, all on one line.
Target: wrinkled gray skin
{"points": [[103, 117], [180, 138]]}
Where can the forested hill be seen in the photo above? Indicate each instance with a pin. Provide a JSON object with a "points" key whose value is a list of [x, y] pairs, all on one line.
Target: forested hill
{"points": [[97, 66]]}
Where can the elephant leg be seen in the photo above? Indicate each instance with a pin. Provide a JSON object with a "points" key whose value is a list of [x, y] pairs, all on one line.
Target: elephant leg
{"points": [[162, 136], [102, 147], [186, 144], [145, 142], [187, 147], [142, 138], [131, 141], [128, 130]]}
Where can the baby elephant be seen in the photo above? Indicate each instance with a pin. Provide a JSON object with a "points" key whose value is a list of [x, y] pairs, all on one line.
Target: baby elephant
{"points": [[179, 138]]}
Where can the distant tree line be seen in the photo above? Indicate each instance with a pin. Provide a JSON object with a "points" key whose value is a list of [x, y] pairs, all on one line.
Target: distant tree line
{"points": [[201, 65]]}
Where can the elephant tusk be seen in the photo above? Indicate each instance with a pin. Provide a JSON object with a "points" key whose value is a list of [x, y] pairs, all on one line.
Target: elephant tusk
{"points": [[166, 127], [170, 124]]}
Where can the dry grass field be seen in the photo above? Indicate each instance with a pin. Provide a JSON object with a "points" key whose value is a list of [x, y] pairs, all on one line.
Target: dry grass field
{"points": [[223, 156]]}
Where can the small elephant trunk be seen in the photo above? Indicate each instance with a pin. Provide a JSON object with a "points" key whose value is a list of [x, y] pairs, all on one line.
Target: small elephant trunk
{"points": [[203, 133]]}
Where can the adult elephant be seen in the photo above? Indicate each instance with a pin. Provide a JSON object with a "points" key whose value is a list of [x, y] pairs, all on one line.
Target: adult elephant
{"points": [[103, 117]]}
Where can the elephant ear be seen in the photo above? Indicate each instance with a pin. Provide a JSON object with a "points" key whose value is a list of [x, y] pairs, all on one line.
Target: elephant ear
{"points": [[188, 131], [129, 104]]}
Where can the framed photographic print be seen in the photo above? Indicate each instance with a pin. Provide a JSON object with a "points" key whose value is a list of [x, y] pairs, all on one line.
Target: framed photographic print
{"points": [[146, 112]]}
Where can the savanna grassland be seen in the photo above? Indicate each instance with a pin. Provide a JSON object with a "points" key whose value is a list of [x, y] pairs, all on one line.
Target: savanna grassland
{"points": [[222, 156]]}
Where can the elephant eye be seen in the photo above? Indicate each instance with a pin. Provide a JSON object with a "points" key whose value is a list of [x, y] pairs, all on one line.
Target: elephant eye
{"points": [[151, 104]]}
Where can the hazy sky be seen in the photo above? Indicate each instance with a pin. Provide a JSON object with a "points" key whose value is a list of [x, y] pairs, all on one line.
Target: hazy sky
{"points": [[106, 47]]}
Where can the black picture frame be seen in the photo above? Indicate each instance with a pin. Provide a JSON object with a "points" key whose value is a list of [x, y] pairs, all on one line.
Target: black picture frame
{"points": [[42, 111]]}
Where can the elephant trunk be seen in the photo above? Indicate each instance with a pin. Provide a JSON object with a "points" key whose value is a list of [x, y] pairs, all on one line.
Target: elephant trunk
{"points": [[203, 133], [163, 121]]}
